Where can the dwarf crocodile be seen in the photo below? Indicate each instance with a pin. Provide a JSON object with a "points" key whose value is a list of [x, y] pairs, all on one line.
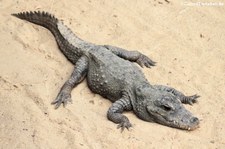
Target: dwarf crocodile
{"points": [[110, 72]]}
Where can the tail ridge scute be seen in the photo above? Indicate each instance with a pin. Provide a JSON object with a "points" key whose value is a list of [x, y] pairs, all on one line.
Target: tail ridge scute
{"points": [[70, 45], [43, 18]]}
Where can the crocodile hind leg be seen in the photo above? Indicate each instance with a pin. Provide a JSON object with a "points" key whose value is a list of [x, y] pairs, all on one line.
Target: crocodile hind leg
{"points": [[184, 99], [133, 56], [115, 113], [77, 76]]}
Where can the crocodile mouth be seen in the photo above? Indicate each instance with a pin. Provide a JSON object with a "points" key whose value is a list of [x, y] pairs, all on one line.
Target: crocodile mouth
{"points": [[186, 122], [194, 124]]}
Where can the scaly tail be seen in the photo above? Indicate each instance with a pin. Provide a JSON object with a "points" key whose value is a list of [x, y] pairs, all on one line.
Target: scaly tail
{"points": [[40, 18], [69, 44]]}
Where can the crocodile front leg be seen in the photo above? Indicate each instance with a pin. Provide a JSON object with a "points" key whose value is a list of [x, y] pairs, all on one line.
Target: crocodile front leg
{"points": [[184, 99], [77, 76], [115, 113], [133, 56]]}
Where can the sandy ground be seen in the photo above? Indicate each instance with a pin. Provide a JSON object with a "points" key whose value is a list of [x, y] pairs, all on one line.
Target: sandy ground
{"points": [[186, 41]]}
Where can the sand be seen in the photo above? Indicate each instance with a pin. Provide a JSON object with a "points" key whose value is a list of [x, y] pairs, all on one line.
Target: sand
{"points": [[186, 40]]}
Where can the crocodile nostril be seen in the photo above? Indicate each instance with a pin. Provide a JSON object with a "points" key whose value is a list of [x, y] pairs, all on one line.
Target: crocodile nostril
{"points": [[194, 120]]}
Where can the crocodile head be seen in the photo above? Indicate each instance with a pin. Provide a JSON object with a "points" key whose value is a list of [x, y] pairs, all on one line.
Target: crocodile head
{"points": [[162, 107]]}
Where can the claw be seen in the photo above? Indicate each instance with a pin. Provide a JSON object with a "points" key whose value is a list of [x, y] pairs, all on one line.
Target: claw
{"points": [[145, 61], [58, 104], [194, 98], [66, 102], [191, 99], [63, 98], [190, 103], [139, 61], [124, 125], [54, 102]]}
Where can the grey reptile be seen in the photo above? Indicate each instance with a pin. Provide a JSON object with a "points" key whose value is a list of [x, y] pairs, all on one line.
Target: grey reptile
{"points": [[110, 72]]}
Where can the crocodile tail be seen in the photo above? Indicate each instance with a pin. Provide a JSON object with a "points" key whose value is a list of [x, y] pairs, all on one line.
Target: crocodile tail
{"points": [[40, 18], [63, 35]]}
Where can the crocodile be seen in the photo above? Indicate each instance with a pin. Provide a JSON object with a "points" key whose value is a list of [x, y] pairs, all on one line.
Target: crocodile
{"points": [[111, 72]]}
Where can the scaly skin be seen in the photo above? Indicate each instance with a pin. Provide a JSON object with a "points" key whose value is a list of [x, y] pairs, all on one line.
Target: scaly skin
{"points": [[110, 72]]}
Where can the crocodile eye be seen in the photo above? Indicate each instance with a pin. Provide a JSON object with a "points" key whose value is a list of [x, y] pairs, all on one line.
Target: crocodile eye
{"points": [[166, 108]]}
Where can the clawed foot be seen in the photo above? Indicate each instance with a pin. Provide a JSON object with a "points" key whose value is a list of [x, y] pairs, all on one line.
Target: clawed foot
{"points": [[145, 61], [190, 99], [123, 125], [64, 97]]}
